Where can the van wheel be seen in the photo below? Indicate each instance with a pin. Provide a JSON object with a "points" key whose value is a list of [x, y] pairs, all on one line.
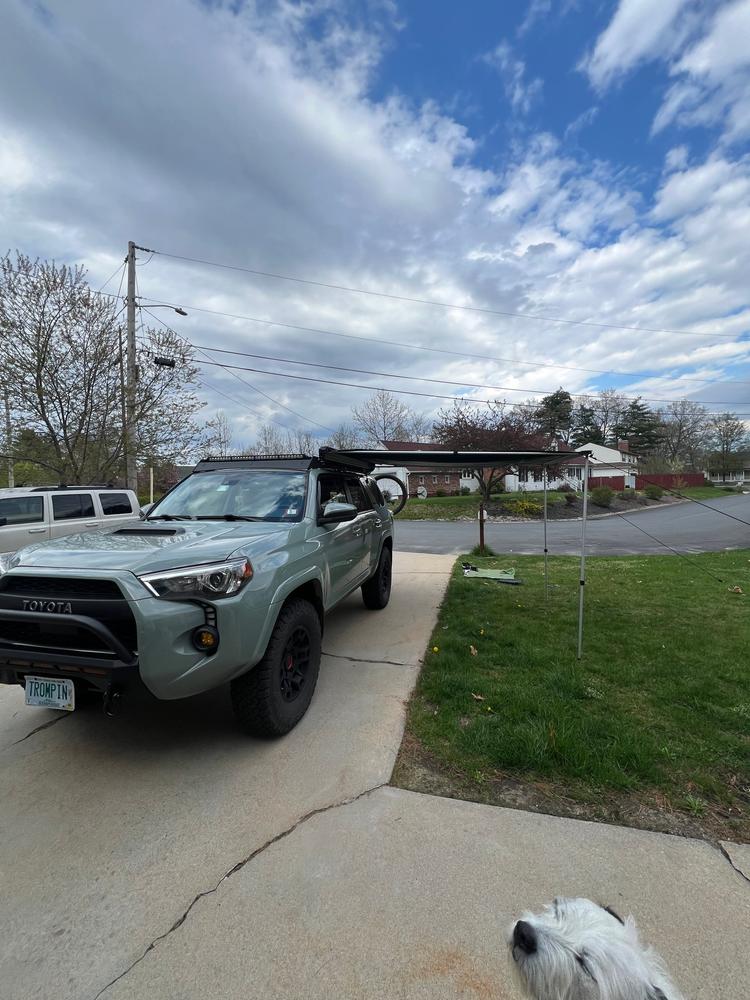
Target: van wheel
{"points": [[376, 592], [270, 699]]}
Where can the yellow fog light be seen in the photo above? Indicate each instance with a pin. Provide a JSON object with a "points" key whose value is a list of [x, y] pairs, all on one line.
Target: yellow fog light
{"points": [[206, 639]]}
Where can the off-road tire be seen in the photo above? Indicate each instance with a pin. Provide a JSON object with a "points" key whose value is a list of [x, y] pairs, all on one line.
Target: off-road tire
{"points": [[264, 700], [376, 592]]}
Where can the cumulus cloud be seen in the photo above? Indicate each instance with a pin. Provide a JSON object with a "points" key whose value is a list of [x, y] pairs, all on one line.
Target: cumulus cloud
{"points": [[249, 135]]}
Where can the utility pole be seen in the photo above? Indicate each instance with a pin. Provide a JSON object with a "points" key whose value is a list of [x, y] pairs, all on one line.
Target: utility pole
{"points": [[131, 465], [9, 441]]}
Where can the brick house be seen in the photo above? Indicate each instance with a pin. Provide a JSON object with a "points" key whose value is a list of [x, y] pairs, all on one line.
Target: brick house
{"points": [[437, 481]]}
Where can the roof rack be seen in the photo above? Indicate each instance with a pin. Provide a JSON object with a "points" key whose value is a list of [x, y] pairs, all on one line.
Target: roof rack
{"points": [[279, 456]]}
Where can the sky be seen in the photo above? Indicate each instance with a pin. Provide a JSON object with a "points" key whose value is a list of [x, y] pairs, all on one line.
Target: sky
{"points": [[573, 174]]}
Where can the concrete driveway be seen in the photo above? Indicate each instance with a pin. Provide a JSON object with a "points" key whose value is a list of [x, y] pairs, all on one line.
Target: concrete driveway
{"points": [[688, 527], [110, 829], [163, 856]]}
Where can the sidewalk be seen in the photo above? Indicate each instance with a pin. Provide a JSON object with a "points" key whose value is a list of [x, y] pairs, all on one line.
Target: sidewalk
{"points": [[401, 895]]}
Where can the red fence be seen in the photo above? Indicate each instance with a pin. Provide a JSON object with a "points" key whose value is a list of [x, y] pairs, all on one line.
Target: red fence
{"points": [[614, 482], [670, 480]]}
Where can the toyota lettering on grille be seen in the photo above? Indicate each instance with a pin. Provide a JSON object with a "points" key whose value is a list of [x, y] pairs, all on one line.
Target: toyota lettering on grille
{"points": [[53, 607]]}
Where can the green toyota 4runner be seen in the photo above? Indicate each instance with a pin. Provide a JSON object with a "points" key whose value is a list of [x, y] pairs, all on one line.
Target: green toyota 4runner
{"points": [[227, 579]]}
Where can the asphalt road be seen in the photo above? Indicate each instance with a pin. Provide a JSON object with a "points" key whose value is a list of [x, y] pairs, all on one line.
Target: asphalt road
{"points": [[687, 527]]}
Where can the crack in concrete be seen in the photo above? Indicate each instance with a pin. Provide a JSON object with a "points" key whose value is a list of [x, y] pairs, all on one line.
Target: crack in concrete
{"points": [[45, 725], [233, 871], [359, 659], [728, 856]]}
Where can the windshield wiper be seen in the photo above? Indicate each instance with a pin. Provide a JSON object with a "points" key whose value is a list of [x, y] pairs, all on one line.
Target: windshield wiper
{"points": [[227, 517], [169, 517]]}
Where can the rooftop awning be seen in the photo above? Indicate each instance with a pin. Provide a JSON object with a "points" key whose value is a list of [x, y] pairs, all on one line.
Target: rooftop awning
{"points": [[367, 459]]}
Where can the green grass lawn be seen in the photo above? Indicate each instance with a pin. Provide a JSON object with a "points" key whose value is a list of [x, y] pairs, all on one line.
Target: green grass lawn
{"points": [[656, 712], [704, 492]]}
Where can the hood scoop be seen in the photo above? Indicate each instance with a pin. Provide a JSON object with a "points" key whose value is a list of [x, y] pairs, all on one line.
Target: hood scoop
{"points": [[149, 532]]}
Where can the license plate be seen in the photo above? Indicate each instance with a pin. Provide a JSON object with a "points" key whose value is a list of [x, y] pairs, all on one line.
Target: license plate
{"points": [[48, 692]]}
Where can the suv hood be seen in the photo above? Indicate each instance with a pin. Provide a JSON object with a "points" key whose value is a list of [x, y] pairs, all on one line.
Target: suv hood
{"points": [[151, 546]]}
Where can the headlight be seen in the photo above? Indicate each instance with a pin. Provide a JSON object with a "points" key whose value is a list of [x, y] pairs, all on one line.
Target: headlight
{"points": [[6, 561], [211, 581]]}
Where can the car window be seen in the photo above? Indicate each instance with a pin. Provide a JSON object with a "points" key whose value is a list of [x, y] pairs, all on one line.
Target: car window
{"points": [[331, 487], [21, 510], [357, 494], [68, 506], [116, 503], [269, 495], [375, 493]]}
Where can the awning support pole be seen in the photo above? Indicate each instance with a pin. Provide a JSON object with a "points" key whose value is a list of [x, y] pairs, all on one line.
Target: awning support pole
{"points": [[546, 581], [582, 580]]}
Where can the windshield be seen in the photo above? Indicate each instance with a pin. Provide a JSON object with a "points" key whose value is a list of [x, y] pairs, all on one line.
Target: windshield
{"points": [[260, 494]]}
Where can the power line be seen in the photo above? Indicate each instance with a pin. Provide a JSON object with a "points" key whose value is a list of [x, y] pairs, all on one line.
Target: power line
{"points": [[421, 378], [456, 354], [118, 268], [435, 302], [228, 369]]}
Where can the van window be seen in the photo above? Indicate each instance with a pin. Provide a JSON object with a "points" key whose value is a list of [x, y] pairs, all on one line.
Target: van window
{"points": [[69, 506], [21, 510], [357, 495], [116, 503]]}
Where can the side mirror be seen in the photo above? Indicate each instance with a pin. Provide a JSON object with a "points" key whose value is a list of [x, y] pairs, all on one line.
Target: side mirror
{"points": [[335, 513]]}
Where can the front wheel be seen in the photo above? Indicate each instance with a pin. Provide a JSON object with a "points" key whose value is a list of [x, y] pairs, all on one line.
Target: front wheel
{"points": [[376, 592], [270, 699]]}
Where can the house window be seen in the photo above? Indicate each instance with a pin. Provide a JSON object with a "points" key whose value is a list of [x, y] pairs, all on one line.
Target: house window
{"points": [[523, 476], [421, 480], [537, 475], [466, 473], [446, 479], [574, 472], [434, 480]]}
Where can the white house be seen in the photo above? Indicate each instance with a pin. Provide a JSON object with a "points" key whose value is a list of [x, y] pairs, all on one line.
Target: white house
{"points": [[611, 463]]}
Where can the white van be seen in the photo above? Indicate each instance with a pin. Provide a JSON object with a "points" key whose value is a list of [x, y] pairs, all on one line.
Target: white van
{"points": [[36, 513]]}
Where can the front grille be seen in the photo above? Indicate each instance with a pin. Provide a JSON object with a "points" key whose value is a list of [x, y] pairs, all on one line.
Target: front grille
{"points": [[59, 587], [53, 636], [100, 600]]}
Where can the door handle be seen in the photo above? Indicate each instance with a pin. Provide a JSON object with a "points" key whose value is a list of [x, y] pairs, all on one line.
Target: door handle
{"points": [[92, 524], [36, 531]]}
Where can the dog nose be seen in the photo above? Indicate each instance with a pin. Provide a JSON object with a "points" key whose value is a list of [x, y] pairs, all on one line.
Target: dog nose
{"points": [[524, 936]]}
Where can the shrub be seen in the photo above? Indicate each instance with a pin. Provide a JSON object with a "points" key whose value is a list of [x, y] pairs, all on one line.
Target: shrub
{"points": [[654, 492], [565, 488], [625, 494], [523, 507], [571, 498], [602, 496], [465, 491], [440, 493], [728, 489]]}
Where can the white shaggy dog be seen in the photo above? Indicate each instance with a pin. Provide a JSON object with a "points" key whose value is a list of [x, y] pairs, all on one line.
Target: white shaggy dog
{"points": [[577, 950]]}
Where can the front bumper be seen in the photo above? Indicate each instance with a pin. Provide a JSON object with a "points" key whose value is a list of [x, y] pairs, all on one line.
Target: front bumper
{"points": [[148, 642]]}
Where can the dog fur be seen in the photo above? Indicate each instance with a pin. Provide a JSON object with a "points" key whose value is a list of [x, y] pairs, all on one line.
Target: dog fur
{"points": [[578, 950]]}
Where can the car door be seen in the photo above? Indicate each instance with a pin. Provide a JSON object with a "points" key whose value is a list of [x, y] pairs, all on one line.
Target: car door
{"points": [[342, 543], [72, 512], [22, 521], [369, 523]]}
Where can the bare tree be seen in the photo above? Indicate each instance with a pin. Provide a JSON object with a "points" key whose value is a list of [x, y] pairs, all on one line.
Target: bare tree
{"points": [[219, 434], [272, 441], [61, 347], [418, 427], [728, 435], [382, 417], [345, 436], [685, 431]]}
